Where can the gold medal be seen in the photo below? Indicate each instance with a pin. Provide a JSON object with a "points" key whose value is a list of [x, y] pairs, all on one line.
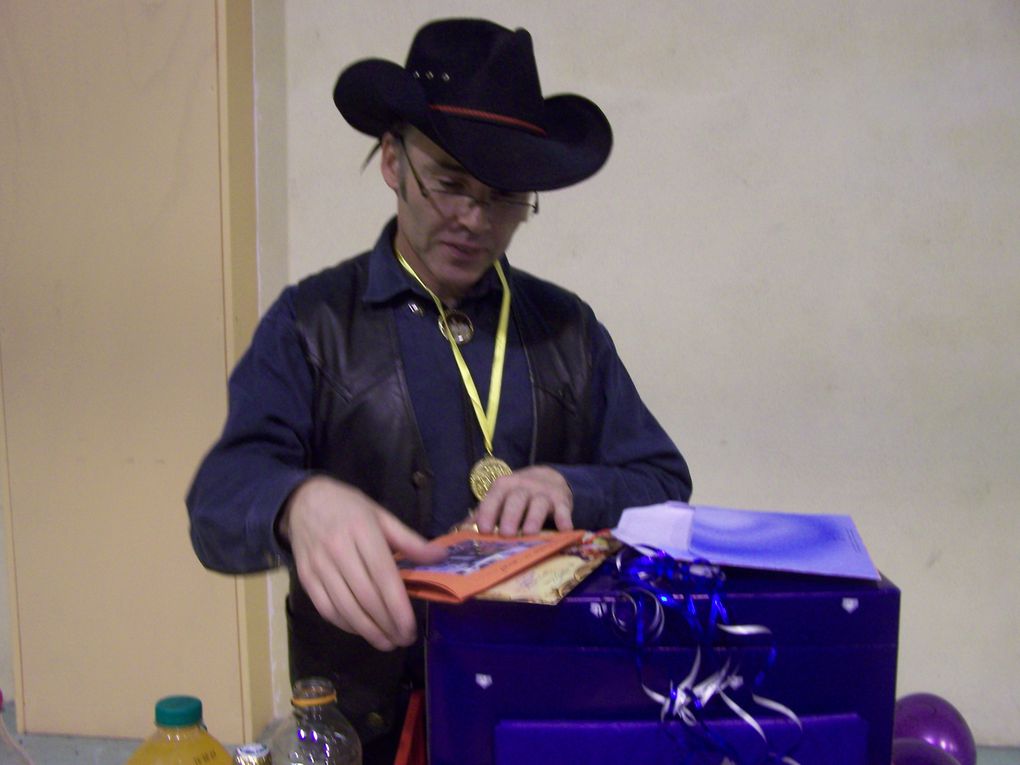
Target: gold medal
{"points": [[456, 326], [484, 472]]}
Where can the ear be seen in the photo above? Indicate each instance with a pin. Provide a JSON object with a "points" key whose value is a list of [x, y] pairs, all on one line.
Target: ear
{"points": [[390, 160]]}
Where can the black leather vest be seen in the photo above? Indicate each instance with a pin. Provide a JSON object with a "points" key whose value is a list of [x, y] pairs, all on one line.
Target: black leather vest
{"points": [[366, 434]]}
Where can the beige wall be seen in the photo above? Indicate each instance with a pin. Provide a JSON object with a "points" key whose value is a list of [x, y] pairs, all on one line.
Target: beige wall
{"points": [[126, 224], [805, 245], [6, 650]]}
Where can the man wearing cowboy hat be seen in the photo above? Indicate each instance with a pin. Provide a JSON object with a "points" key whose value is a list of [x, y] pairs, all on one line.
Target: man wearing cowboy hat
{"points": [[387, 398]]}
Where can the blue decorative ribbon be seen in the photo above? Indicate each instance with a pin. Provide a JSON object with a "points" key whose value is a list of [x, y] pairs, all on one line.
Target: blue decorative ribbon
{"points": [[652, 582]]}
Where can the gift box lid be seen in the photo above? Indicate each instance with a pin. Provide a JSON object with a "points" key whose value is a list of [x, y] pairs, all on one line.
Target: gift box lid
{"points": [[797, 610]]}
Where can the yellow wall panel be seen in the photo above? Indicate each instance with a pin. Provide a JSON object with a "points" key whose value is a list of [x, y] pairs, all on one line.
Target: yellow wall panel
{"points": [[112, 344]]}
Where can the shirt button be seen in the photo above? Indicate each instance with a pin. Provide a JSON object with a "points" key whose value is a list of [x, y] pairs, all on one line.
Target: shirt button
{"points": [[419, 478], [416, 309]]}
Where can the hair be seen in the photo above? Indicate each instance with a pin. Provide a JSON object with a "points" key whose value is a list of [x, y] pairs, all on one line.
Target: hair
{"points": [[375, 147], [397, 128]]}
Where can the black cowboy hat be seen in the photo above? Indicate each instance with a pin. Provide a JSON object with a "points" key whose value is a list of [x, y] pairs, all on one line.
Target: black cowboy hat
{"points": [[472, 87]]}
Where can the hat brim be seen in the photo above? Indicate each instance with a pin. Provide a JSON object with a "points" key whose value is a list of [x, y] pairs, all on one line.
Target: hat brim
{"points": [[374, 95]]}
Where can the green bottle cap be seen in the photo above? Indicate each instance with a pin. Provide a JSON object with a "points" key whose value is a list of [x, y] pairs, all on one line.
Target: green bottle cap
{"points": [[178, 711]]}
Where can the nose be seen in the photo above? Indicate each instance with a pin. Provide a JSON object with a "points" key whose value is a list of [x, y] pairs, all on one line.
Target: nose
{"points": [[474, 214]]}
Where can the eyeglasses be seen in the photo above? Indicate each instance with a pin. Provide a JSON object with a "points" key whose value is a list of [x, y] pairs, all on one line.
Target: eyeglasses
{"points": [[452, 200]]}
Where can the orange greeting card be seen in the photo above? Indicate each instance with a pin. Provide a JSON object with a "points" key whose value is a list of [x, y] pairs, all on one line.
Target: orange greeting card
{"points": [[475, 562]]}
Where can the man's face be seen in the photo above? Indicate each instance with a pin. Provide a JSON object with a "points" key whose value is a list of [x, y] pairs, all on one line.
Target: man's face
{"points": [[449, 249]]}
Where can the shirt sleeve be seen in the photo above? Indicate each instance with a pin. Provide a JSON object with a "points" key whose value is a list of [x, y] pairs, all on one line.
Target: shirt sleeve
{"points": [[634, 461], [260, 458]]}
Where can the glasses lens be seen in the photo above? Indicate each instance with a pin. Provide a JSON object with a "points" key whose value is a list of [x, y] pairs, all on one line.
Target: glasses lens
{"points": [[454, 204], [450, 204], [502, 208]]}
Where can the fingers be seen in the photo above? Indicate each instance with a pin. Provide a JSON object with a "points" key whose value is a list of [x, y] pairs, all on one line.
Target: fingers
{"points": [[345, 602], [563, 516], [504, 505], [524, 501], [345, 561], [412, 545], [487, 513], [352, 585], [559, 506]]}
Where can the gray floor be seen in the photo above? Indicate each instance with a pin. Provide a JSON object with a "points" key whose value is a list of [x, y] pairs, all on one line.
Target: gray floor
{"points": [[67, 750]]}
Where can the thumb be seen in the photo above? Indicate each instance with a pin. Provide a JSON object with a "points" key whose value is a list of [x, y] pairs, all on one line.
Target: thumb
{"points": [[408, 542]]}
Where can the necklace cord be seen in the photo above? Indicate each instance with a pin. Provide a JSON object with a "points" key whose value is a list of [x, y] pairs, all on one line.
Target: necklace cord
{"points": [[486, 417]]}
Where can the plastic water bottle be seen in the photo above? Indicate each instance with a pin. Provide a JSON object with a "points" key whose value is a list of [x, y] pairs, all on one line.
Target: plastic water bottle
{"points": [[316, 733], [180, 737], [253, 754]]}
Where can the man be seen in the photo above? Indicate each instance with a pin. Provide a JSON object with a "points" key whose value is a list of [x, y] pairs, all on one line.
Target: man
{"points": [[388, 398]]}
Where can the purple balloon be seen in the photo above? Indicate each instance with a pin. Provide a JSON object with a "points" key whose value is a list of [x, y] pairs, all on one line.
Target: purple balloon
{"points": [[914, 751], [934, 720]]}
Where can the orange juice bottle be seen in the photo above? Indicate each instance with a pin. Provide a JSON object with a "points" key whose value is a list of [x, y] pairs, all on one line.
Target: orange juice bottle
{"points": [[180, 737]]}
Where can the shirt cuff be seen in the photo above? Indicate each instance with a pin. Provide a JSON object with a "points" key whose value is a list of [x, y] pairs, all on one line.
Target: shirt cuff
{"points": [[264, 523]]}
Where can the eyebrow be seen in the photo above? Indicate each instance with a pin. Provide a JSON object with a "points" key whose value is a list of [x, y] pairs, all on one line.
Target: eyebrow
{"points": [[453, 166], [449, 165]]}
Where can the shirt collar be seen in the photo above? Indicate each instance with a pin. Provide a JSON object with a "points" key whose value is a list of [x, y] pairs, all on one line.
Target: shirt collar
{"points": [[388, 280]]}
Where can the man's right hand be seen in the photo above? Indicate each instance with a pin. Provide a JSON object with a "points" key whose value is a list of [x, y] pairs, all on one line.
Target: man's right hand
{"points": [[343, 545]]}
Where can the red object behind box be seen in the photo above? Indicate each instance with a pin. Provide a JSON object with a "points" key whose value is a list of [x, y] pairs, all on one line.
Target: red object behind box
{"points": [[411, 750]]}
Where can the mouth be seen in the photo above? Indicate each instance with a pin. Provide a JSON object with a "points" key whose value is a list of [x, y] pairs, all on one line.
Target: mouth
{"points": [[464, 251]]}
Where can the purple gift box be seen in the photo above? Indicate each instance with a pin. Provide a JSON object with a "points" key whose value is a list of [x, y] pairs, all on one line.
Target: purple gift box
{"points": [[521, 683]]}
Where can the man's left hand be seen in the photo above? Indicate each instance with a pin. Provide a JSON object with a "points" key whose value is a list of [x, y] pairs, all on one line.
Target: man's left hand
{"points": [[521, 502]]}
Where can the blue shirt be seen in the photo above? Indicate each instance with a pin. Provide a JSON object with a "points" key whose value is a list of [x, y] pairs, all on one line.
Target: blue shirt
{"points": [[261, 456]]}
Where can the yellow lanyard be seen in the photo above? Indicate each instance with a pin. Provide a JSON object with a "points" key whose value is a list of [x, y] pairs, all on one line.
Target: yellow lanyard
{"points": [[486, 417]]}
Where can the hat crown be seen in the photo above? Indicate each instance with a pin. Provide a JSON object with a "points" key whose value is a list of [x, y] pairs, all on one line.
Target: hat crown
{"points": [[471, 86], [479, 69]]}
